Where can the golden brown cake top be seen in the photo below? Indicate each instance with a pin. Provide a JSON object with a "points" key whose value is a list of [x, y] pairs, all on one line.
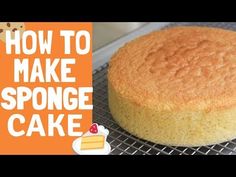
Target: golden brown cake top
{"points": [[175, 68]]}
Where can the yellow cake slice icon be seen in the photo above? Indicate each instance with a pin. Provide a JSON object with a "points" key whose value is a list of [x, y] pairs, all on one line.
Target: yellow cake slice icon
{"points": [[92, 142]]}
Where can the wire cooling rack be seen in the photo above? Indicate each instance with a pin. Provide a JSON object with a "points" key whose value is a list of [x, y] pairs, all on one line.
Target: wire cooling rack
{"points": [[123, 143]]}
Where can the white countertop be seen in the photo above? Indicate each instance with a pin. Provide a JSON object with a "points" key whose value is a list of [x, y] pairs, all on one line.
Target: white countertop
{"points": [[104, 33]]}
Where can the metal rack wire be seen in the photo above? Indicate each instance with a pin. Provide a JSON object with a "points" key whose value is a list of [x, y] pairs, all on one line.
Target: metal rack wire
{"points": [[123, 143]]}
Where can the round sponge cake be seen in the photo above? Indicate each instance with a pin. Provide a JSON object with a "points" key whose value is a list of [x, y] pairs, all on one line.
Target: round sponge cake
{"points": [[176, 86]]}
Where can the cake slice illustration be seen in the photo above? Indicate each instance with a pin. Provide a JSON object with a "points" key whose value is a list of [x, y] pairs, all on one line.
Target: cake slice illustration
{"points": [[93, 141]]}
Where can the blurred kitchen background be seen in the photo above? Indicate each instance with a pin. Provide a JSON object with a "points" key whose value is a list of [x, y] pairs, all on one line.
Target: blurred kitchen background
{"points": [[104, 33]]}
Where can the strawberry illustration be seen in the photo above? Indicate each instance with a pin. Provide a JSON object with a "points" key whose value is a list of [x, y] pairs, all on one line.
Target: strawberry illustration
{"points": [[94, 128]]}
